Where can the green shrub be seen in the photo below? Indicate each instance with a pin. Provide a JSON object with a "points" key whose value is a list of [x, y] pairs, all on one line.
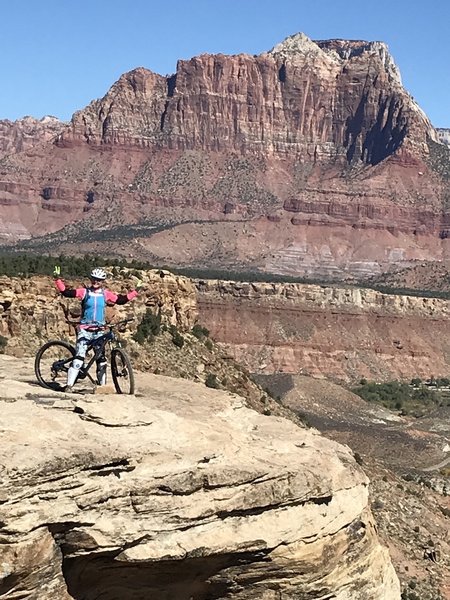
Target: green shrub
{"points": [[3, 343], [211, 381], [177, 338], [396, 395], [24, 264], [199, 331], [148, 328], [358, 458]]}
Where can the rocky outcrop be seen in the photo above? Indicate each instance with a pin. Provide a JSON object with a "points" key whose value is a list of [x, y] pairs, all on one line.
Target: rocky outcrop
{"points": [[316, 99], [443, 135], [32, 311], [323, 130], [178, 493], [130, 113], [339, 333], [23, 134]]}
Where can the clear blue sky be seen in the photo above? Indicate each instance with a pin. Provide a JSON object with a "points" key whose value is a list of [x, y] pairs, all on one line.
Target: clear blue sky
{"points": [[58, 55]]}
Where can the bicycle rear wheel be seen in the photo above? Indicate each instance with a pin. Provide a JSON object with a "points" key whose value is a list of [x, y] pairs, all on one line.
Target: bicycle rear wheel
{"points": [[122, 372], [52, 362]]}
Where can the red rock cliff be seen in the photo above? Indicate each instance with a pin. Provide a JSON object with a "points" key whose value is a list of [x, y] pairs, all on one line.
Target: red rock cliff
{"points": [[335, 333], [324, 130], [16, 136], [315, 99]]}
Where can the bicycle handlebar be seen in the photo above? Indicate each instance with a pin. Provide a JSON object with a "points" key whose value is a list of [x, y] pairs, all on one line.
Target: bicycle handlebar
{"points": [[122, 322], [100, 327]]}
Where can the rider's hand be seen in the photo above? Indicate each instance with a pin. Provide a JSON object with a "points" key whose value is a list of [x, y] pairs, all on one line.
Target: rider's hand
{"points": [[57, 272], [138, 284]]}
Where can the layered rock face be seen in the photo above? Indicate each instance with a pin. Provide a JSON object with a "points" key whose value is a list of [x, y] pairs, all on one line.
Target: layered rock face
{"points": [[315, 99], [310, 140], [17, 136], [342, 334], [338, 333], [179, 493]]}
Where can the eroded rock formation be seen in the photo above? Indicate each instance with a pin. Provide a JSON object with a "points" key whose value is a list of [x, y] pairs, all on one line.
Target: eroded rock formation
{"points": [[443, 135], [303, 97], [339, 333], [32, 311], [319, 138], [23, 134], [179, 493]]}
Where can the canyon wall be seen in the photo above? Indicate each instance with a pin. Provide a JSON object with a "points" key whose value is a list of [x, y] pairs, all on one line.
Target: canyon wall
{"points": [[337, 333]]}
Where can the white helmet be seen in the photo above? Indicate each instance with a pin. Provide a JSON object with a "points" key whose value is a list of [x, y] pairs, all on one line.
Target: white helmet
{"points": [[98, 273]]}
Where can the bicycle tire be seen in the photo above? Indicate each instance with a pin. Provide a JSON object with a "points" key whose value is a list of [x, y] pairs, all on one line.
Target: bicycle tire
{"points": [[122, 372], [54, 350]]}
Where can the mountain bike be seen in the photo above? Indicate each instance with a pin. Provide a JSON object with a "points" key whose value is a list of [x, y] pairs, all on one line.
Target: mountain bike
{"points": [[54, 358]]}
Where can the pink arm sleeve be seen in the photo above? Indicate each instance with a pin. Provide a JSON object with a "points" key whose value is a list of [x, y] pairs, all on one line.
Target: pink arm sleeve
{"points": [[112, 297], [61, 287]]}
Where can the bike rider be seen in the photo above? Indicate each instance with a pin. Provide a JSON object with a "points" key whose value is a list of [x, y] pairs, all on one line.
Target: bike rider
{"points": [[94, 300]]}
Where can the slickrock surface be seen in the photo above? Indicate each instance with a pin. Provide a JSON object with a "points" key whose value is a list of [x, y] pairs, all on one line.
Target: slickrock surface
{"points": [[180, 492]]}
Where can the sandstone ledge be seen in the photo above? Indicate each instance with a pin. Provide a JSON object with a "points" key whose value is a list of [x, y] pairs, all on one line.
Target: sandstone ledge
{"points": [[179, 492], [344, 299]]}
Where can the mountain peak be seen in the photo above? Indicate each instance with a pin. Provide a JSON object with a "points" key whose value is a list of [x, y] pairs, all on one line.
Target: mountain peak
{"points": [[335, 50], [296, 44]]}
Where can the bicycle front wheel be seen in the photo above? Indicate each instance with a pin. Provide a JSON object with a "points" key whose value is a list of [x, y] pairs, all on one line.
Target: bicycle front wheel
{"points": [[122, 372], [51, 364]]}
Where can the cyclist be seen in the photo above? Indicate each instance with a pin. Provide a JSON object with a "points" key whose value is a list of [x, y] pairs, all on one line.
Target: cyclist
{"points": [[94, 300]]}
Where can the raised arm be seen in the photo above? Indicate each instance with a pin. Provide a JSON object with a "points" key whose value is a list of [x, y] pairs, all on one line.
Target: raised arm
{"points": [[113, 298], [67, 292]]}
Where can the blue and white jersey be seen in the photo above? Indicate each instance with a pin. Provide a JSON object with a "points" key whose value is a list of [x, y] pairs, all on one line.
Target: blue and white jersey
{"points": [[93, 306]]}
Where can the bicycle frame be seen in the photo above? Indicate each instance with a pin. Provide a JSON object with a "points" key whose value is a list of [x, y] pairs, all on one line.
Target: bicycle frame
{"points": [[99, 346], [50, 375]]}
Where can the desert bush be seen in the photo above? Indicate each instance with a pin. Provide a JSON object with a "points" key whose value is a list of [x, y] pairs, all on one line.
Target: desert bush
{"points": [[396, 395], [211, 381], [148, 328], [199, 331], [177, 338]]}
